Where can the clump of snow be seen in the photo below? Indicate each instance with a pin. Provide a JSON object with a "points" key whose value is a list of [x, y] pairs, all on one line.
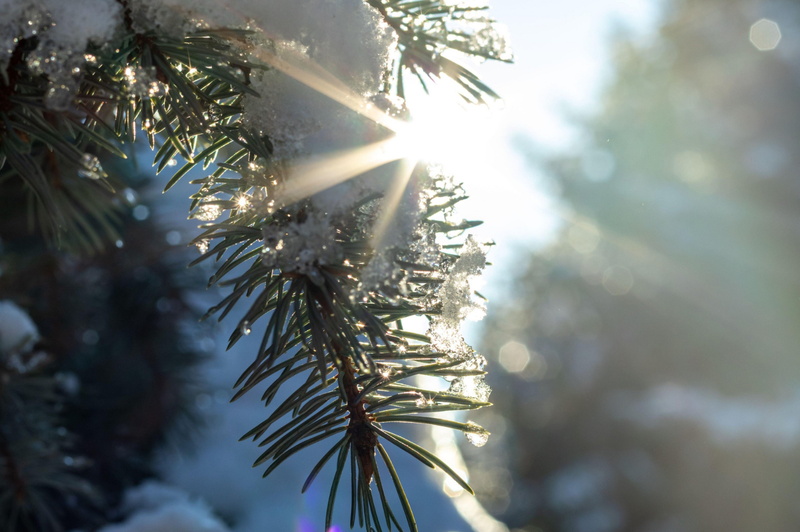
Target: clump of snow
{"points": [[301, 245], [77, 23], [150, 495], [466, 3], [484, 37], [173, 17], [456, 292], [20, 20], [456, 302], [447, 338], [286, 109], [347, 38], [208, 210], [64, 30], [141, 81], [345, 42], [18, 333], [381, 275], [156, 507], [423, 246]]}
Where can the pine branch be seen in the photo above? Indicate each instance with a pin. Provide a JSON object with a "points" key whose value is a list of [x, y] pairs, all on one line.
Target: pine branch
{"points": [[37, 475], [328, 331], [317, 331], [428, 29]]}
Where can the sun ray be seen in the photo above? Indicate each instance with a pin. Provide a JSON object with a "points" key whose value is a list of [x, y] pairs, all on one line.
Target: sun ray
{"points": [[306, 71], [408, 143], [314, 176], [391, 201], [301, 68]]}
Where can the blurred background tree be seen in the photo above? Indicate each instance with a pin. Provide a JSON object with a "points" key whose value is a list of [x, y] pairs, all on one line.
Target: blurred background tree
{"points": [[651, 353], [107, 372]]}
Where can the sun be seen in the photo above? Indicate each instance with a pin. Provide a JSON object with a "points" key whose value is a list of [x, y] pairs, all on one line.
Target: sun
{"points": [[442, 131]]}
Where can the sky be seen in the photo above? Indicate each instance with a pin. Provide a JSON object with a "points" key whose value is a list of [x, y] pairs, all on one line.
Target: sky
{"points": [[562, 60]]}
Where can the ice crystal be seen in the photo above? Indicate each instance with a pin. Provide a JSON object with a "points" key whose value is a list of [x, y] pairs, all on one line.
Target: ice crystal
{"points": [[301, 246], [381, 275], [491, 40], [423, 246], [63, 29], [91, 168], [208, 210], [476, 435], [473, 387], [456, 292], [142, 82], [202, 245], [260, 174], [21, 20], [243, 202], [62, 68], [423, 401]]}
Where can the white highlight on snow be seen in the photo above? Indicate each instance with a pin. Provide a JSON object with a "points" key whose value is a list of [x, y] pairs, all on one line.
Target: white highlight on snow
{"points": [[727, 419], [346, 38], [64, 30], [78, 23], [18, 333], [157, 507]]}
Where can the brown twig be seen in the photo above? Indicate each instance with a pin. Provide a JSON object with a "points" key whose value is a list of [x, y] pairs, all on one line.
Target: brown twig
{"points": [[358, 425], [362, 436]]}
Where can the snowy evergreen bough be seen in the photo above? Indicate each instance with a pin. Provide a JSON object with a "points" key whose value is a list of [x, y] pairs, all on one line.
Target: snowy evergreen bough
{"points": [[327, 257]]}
